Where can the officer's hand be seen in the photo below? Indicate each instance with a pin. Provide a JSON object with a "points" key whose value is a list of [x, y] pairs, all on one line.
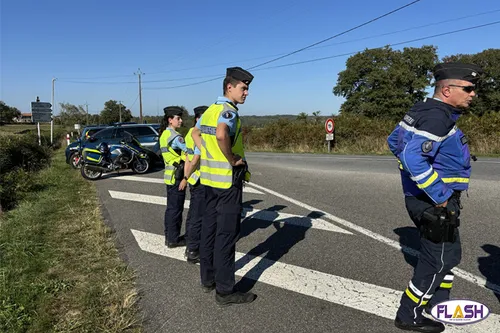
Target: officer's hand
{"points": [[237, 161], [444, 204], [182, 185]]}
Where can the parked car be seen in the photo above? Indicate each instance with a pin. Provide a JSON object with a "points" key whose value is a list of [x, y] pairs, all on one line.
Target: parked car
{"points": [[146, 134]]}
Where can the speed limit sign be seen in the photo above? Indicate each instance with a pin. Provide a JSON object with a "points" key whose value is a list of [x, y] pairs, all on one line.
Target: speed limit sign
{"points": [[329, 125]]}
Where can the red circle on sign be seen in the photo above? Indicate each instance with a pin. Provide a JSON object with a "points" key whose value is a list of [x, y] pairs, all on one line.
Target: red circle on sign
{"points": [[329, 125]]}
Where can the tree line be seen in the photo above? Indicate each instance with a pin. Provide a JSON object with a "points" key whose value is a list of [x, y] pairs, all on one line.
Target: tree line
{"points": [[385, 83]]}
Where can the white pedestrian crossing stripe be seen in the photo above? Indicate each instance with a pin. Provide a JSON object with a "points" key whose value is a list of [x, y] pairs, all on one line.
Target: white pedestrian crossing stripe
{"points": [[246, 189], [265, 215], [362, 296]]}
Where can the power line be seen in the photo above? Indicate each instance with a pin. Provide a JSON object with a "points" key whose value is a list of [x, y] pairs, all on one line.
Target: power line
{"points": [[408, 29], [224, 38], [334, 36], [394, 44], [337, 35], [96, 78], [328, 45], [79, 81], [335, 56]]}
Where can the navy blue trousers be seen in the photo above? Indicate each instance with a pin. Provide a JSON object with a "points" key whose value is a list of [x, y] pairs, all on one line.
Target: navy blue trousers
{"points": [[195, 215], [432, 279], [173, 213], [220, 230]]}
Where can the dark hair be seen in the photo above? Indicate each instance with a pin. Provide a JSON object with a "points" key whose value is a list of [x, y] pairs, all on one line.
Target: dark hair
{"points": [[227, 80], [163, 124]]}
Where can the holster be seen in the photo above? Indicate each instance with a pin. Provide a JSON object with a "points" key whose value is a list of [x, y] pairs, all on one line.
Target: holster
{"points": [[439, 225], [239, 173], [179, 170]]}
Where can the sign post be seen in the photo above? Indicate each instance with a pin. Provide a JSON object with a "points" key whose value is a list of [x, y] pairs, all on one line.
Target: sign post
{"points": [[41, 113], [330, 133]]}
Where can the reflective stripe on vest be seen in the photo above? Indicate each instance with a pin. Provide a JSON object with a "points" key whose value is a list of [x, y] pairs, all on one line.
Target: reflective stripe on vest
{"points": [[215, 169], [193, 179], [170, 156]]}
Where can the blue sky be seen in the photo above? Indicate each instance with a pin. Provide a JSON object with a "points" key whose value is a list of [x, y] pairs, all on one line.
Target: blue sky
{"points": [[102, 43]]}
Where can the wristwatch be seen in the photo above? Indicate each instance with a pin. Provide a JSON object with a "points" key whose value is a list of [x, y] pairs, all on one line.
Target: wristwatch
{"points": [[185, 178]]}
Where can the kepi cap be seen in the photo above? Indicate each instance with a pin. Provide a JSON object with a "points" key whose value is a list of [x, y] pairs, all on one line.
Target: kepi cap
{"points": [[239, 74], [457, 71], [171, 111]]}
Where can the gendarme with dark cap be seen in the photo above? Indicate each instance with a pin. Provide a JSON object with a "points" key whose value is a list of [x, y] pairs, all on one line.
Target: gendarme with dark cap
{"points": [[199, 110], [171, 111], [457, 71], [239, 74]]}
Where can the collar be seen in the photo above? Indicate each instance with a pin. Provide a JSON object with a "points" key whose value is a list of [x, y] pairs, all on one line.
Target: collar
{"points": [[223, 99], [453, 112]]}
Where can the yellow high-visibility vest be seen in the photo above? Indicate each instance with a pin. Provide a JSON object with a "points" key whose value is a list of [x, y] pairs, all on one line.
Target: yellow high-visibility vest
{"points": [[170, 156], [215, 169]]}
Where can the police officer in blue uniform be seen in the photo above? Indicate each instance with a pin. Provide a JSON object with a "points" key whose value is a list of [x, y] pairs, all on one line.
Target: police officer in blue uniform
{"points": [[222, 160], [434, 162], [173, 149], [196, 192]]}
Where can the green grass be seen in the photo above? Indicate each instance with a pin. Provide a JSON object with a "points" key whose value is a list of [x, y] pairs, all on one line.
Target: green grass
{"points": [[31, 128], [59, 268]]}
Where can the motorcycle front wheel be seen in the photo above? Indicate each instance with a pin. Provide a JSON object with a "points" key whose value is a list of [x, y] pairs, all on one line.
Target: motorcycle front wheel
{"points": [[90, 174], [140, 165], [75, 160]]}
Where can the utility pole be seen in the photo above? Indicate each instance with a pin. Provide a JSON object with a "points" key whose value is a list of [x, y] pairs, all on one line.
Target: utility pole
{"points": [[139, 73], [87, 115], [52, 116], [120, 106]]}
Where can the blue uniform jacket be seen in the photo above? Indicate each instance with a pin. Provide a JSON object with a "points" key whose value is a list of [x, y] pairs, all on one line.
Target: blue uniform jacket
{"points": [[433, 153]]}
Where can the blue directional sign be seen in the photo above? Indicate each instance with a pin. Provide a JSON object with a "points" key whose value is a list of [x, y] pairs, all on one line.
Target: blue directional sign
{"points": [[41, 112]]}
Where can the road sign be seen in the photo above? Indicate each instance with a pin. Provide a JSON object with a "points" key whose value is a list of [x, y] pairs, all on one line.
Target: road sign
{"points": [[44, 117], [329, 136], [329, 125], [77, 126], [41, 112], [40, 105]]}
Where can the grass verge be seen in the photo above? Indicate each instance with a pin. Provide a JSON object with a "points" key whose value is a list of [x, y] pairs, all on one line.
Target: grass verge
{"points": [[59, 268]]}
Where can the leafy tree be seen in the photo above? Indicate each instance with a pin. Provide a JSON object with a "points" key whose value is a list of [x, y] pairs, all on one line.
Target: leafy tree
{"points": [[71, 114], [489, 86], [317, 117], [302, 117], [385, 83], [111, 112], [7, 113]]}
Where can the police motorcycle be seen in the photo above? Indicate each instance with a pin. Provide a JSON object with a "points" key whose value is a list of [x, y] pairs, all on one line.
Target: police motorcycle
{"points": [[76, 158], [129, 154]]}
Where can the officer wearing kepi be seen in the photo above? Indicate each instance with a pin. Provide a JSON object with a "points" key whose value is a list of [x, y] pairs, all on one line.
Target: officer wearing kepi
{"points": [[435, 168], [196, 191], [223, 168], [173, 149]]}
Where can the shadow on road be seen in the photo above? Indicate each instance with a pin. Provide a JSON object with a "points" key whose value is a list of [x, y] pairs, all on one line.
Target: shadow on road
{"points": [[275, 246], [410, 237], [489, 265]]}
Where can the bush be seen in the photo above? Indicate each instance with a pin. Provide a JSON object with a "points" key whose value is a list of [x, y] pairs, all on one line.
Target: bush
{"points": [[20, 155], [360, 135]]}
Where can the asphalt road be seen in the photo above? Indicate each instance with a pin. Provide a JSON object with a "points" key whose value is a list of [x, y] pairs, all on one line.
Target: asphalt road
{"points": [[324, 234]]}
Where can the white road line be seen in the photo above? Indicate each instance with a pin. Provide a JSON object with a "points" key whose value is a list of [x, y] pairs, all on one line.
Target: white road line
{"points": [[477, 280], [362, 296], [160, 181], [264, 215]]}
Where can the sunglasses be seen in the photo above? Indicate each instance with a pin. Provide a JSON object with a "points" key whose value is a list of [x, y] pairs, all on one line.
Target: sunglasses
{"points": [[467, 89]]}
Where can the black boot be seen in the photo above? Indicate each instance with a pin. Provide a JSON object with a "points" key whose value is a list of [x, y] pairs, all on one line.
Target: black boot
{"points": [[422, 325], [192, 257], [236, 297], [181, 241]]}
